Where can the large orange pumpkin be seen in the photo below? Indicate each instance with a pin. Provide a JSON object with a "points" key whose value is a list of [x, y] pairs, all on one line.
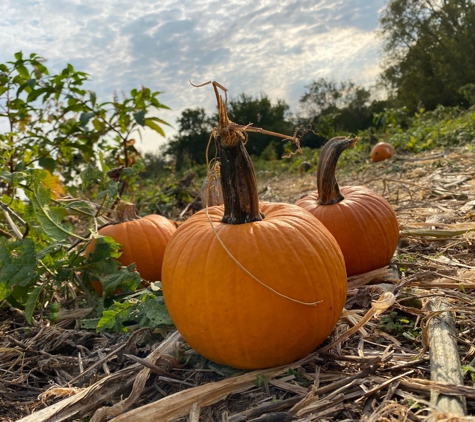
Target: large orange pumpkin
{"points": [[252, 285], [362, 221], [143, 241]]}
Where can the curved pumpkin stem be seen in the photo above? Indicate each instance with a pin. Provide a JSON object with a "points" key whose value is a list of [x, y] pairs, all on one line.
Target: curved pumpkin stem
{"points": [[125, 212], [238, 179], [328, 189]]}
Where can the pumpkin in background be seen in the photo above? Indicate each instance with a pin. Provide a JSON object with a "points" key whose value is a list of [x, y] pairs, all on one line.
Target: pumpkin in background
{"points": [[381, 151], [252, 285], [362, 221], [143, 241]]}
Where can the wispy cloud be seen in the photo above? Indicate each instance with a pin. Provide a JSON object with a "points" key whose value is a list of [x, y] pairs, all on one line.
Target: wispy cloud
{"points": [[249, 46]]}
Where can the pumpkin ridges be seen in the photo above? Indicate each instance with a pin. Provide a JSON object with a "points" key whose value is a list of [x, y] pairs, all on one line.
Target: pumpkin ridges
{"points": [[267, 294], [240, 291], [381, 228]]}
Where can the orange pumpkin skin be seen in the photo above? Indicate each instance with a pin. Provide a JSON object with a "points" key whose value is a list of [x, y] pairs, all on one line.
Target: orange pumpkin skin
{"points": [[229, 317], [143, 241], [381, 151], [364, 224]]}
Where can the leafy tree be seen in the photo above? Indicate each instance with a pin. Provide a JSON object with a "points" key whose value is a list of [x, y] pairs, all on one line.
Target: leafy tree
{"points": [[262, 113], [429, 51], [188, 147], [195, 127], [332, 107]]}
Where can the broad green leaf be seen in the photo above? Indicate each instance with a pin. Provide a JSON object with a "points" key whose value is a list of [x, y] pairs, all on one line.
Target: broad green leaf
{"points": [[140, 117], [106, 266], [81, 207], [117, 313], [23, 71], [124, 279], [89, 324], [18, 263], [47, 163], [97, 124], [85, 117], [33, 299], [112, 189], [50, 219], [152, 125], [154, 314], [4, 290], [33, 95], [104, 248]]}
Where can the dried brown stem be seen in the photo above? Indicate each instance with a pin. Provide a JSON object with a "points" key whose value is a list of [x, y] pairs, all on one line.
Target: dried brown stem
{"points": [[328, 189]]}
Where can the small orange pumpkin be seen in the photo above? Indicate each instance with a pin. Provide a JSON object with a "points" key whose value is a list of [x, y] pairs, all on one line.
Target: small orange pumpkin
{"points": [[362, 221], [143, 241], [252, 285], [381, 151]]}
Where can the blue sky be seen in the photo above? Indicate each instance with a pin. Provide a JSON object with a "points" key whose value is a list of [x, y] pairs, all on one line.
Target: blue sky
{"points": [[259, 46]]}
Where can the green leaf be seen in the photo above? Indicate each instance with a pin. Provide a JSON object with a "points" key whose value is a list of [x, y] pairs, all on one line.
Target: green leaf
{"points": [[117, 313], [163, 122], [81, 207], [97, 124], [85, 117], [50, 219], [4, 290], [89, 324], [152, 125], [111, 190], [124, 279], [32, 302], [92, 97], [47, 163], [23, 71], [18, 264], [33, 95], [140, 117], [154, 314], [105, 247]]}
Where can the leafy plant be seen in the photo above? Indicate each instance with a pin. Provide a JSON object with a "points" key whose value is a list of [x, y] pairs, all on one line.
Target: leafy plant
{"points": [[395, 324], [59, 141]]}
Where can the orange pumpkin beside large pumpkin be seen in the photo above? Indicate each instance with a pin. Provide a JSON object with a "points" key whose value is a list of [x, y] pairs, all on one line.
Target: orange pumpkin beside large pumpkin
{"points": [[143, 241], [362, 221]]}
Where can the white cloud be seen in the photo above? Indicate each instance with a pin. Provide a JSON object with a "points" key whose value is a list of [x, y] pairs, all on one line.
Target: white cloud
{"points": [[248, 46]]}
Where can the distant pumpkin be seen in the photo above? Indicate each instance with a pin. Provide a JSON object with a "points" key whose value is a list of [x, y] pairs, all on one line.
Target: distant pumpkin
{"points": [[143, 241], [381, 151]]}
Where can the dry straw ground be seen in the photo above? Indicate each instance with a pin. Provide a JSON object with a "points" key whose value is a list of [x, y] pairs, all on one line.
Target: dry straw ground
{"points": [[402, 351]]}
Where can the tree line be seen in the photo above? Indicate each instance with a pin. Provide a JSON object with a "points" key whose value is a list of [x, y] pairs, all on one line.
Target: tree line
{"points": [[428, 60]]}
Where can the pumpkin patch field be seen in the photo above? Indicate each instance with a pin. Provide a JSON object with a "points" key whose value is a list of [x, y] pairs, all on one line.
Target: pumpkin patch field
{"points": [[405, 334], [324, 285]]}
